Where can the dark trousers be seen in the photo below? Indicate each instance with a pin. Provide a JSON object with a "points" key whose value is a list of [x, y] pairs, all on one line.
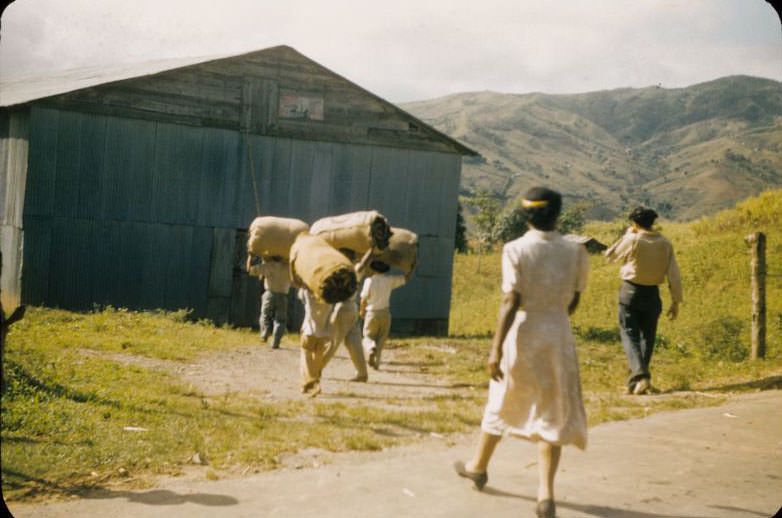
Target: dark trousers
{"points": [[274, 315], [639, 310]]}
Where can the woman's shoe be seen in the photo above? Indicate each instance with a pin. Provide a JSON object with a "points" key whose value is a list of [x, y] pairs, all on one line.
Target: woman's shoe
{"points": [[479, 479], [546, 509]]}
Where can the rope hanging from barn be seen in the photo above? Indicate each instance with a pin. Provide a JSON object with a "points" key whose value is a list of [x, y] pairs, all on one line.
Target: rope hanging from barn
{"points": [[251, 172]]}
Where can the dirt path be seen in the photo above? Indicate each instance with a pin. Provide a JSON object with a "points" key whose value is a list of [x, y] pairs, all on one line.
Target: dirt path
{"points": [[273, 375], [717, 462]]}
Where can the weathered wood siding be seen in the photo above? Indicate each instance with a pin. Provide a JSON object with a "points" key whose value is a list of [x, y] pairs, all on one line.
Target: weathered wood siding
{"points": [[244, 93], [14, 128], [152, 214]]}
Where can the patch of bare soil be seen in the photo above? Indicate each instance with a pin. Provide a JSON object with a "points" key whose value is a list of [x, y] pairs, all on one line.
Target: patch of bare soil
{"points": [[273, 375]]}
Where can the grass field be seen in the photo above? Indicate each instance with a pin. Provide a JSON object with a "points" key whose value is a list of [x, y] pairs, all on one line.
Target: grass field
{"points": [[65, 412]]}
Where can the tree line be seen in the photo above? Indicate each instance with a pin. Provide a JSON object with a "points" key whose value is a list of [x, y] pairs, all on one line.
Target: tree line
{"points": [[492, 224]]}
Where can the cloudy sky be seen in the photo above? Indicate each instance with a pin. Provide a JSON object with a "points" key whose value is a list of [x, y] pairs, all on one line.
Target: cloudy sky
{"points": [[406, 50]]}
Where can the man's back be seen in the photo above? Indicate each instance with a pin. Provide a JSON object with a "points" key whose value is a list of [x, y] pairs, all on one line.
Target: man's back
{"points": [[377, 290]]}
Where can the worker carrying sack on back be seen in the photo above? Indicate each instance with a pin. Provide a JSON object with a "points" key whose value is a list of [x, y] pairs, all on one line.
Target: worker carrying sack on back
{"points": [[271, 235], [327, 273], [402, 250], [357, 231]]}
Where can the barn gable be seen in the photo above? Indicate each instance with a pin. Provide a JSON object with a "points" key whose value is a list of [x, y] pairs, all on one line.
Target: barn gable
{"points": [[276, 92]]}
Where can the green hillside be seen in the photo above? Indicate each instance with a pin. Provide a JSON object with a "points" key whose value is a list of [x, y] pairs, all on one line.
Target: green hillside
{"points": [[687, 152], [714, 320]]}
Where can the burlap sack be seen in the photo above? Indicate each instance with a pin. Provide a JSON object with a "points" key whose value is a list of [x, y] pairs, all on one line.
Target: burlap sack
{"points": [[325, 271], [270, 235], [402, 251], [358, 231]]}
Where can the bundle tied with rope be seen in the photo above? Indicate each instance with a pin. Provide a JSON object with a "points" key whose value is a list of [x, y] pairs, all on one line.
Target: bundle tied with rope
{"points": [[272, 235], [320, 267], [402, 250], [357, 231]]}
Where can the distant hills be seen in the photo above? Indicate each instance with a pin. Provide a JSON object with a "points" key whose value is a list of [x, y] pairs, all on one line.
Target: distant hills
{"points": [[687, 152]]}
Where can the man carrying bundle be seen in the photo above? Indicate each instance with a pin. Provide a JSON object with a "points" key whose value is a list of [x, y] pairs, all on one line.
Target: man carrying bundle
{"points": [[315, 333], [374, 309], [345, 326], [274, 302]]}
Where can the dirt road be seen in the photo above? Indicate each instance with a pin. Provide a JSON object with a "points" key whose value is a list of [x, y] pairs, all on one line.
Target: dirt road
{"points": [[723, 461]]}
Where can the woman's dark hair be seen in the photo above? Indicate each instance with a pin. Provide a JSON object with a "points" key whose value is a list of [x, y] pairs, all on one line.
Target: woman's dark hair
{"points": [[643, 217], [542, 207], [379, 266]]}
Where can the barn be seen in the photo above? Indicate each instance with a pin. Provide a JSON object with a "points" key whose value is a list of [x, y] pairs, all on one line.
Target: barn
{"points": [[134, 186]]}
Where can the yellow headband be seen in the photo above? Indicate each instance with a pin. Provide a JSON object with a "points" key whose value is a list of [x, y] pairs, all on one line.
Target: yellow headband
{"points": [[531, 204]]}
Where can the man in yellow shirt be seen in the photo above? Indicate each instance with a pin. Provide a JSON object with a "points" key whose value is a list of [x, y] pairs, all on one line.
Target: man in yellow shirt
{"points": [[647, 260]]}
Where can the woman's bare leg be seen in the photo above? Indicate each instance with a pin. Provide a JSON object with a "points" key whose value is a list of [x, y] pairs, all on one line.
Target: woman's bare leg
{"points": [[483, 453], [548, 462]]}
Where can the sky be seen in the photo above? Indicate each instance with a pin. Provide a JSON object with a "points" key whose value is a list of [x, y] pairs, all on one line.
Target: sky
{"points": [[407, 50]]}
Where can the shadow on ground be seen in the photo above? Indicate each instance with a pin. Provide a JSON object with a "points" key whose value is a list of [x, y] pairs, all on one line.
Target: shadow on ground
{"points": [[600, 511], [164, 497]]}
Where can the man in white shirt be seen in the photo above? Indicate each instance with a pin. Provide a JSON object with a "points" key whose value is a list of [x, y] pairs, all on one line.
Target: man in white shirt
{"points": [[274, 301], [374, 309]]}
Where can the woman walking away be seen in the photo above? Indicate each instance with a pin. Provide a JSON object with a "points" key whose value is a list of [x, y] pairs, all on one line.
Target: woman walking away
{"points": [[535, 388]]}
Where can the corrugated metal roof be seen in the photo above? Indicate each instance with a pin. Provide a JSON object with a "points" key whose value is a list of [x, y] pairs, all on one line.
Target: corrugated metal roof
{"points": [[31, 88]]}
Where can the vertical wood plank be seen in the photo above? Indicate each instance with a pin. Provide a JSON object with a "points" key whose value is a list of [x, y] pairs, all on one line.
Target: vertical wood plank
{"points": [[448, 166], [153, 273], [281, 179], [421, 207], [36, 270], [322, 181], [106, 249], [389, 172], [350, 188], [13, 181], [302, 157], [177, 167], [135, 249], [177, 276], [200, 256], [265, 175], [128, 186], [218, 178], [42, 162], [221, 262], [66, 181], [92, 174]]}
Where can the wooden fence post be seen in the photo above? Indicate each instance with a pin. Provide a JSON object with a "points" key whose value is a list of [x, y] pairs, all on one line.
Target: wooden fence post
{"points": [[757, 244]]}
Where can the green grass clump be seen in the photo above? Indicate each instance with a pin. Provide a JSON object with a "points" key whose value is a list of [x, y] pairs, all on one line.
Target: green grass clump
{"points": [[65, 410], [159, 334]]}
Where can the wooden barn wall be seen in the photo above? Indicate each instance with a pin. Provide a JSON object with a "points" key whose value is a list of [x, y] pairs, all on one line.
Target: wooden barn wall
{"points": [[147, 214], [131, 213], [14, 136], [244, 92]]}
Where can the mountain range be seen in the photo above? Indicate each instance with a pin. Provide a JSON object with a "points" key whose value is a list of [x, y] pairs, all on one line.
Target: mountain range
{"points": [[687, 152]]}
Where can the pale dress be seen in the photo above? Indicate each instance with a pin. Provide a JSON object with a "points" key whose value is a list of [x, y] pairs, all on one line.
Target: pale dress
{"points": [[539, 397]]}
